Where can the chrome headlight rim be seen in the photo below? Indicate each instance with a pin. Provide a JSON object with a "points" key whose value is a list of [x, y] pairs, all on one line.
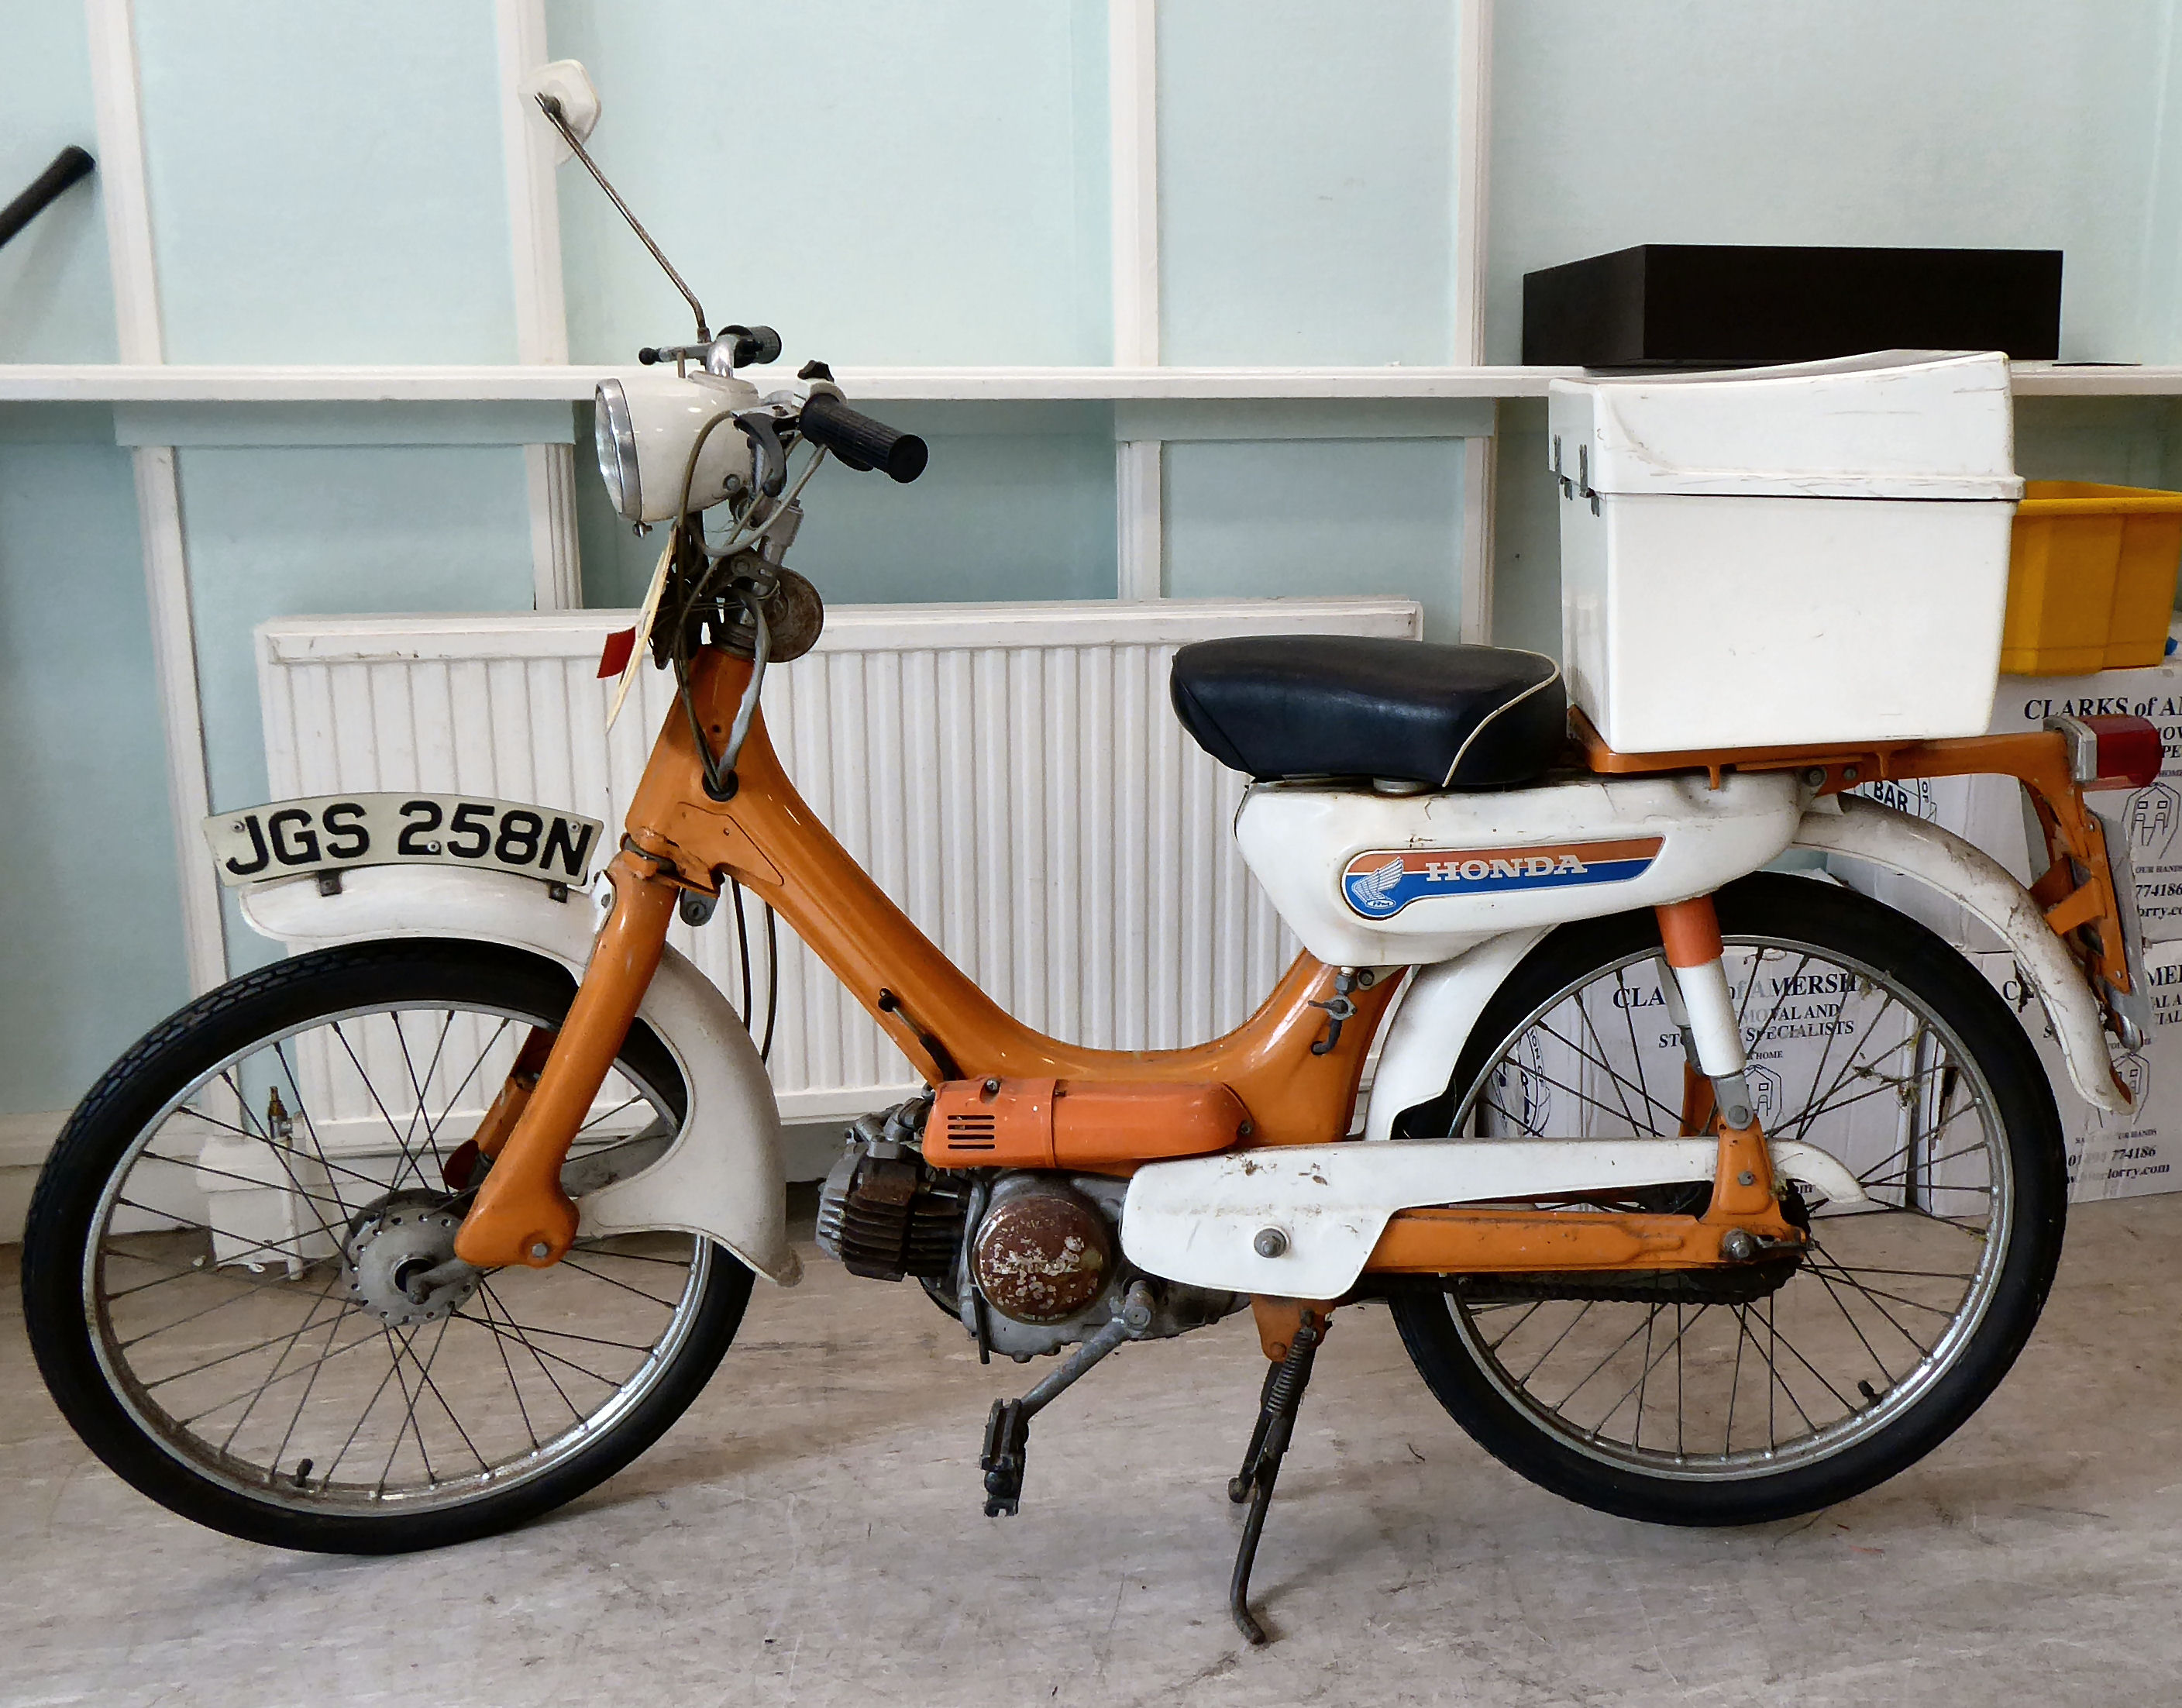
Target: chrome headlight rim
{"points": [[614, 432]]}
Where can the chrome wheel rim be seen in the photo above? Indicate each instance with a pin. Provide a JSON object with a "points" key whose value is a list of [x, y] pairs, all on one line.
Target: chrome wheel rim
{"points": [[220, 1287], [1863, 1327]]}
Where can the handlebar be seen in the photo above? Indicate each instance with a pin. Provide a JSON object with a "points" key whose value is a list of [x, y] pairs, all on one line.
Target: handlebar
{"points": [[860, 441], [68, 166]]}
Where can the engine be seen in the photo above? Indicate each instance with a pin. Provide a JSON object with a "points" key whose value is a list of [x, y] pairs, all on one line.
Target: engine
{"points": [[1028, 1261], [883, 1213]]}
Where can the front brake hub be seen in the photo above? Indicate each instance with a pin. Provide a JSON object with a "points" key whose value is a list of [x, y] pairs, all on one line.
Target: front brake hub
{"points": [[399, 1259]]}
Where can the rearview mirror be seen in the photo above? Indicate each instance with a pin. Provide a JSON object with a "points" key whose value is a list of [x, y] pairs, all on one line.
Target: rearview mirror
{"points": [[565, 82]]}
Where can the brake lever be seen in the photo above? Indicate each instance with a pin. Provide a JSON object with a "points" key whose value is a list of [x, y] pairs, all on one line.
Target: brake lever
{"points": [[764, 434]]}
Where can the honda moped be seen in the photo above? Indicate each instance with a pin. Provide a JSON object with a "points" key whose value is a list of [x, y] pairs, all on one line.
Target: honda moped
{"points": [[1701, 1193]]}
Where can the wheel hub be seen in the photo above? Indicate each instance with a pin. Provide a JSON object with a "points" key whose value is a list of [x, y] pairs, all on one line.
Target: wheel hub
{"points": [[400, 1261]]}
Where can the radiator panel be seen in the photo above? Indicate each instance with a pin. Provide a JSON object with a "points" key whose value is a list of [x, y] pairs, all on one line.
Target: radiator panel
{"points": [[1012, 776]]}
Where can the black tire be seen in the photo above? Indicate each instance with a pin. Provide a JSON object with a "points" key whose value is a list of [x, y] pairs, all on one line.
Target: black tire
{"points": [[1459, 1361], [66, 1234]]}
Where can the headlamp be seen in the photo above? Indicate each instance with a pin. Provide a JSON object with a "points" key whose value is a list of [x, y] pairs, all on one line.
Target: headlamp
{"points": [[644, 425]]}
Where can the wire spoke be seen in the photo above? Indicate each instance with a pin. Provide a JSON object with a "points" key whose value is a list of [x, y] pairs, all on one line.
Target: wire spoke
{"points": [[490, 1301], [570, 1263]]}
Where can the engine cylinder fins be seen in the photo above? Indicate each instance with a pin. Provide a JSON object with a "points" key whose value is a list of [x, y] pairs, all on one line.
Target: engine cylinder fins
{"points": [[1042, 1252], [884, 1213]]}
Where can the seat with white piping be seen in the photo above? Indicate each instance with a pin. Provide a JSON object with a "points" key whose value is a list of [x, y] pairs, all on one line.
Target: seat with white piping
{"points": [[1295, 705]]}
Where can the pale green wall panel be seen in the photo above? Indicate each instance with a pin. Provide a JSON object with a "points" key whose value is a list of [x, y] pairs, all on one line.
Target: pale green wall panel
{"points": [[1526, 533], [92, 965], [1339, 517], [1307, 180], [289, 533], [883, 184], [1971, 123], [326, 180], [293, 532], [1020, 509], [55, 301]]}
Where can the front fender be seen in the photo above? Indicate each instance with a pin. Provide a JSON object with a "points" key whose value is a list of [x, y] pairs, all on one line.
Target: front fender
{"points": [[1866, 830], [722, 1178]]}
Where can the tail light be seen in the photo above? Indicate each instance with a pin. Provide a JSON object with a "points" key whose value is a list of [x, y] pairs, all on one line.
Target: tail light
{"points": [[2112, 752]]}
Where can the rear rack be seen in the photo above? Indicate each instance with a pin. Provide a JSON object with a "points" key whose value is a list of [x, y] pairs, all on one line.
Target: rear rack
{"points": [[2077, 891]]}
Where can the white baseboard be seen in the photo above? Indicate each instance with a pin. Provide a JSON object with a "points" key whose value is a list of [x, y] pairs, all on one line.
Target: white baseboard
{"points": [[25, 1140]]}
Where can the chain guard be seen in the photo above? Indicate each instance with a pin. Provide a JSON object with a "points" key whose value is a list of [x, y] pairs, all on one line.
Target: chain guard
{"points": [[1724, 1283]]}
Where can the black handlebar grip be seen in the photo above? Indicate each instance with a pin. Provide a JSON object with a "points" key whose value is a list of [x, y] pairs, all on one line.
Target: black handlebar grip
{"points": [[862, 442]]}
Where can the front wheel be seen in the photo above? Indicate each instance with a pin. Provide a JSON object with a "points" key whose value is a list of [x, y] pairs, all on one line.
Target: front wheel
{"points": [[1703, 1398], [238, 1274]]}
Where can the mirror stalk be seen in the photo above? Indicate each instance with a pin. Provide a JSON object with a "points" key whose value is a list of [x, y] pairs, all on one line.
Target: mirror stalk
{"points": [[551, 107]]}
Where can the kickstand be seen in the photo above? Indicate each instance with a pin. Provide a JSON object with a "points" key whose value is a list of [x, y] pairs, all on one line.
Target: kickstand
{"points": [[1261, 1465]]}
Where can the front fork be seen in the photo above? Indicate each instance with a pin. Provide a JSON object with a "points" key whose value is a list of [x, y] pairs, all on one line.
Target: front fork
{"points": [[521, 1215]]}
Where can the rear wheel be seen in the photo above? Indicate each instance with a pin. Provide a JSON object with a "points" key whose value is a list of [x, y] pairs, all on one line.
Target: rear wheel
{"points": [[237, 1274], [1695, 1399]]}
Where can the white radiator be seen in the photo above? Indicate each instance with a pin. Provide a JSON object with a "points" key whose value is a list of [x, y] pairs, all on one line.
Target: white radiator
{"points": [[1013, 776]]}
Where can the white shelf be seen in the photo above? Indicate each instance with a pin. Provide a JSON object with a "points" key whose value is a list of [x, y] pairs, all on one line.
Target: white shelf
{"points": [[114, 382], [122, 382]]}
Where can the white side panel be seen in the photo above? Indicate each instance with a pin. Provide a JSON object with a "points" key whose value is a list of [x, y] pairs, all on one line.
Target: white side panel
{"points": [[722, 1178], [1866, 830], [1301, 845], [1013, 776], [1195, 1220]]}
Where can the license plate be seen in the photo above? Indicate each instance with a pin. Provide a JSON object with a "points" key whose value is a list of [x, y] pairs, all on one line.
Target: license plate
{"points": [[288, 838]]}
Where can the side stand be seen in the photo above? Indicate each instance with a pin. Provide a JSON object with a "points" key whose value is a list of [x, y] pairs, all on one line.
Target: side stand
{"points": [[1261, 1463]]}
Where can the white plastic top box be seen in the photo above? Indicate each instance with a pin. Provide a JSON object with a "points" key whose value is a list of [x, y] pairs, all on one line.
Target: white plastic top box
{"points": [[1788, 556], [1898, 424]]}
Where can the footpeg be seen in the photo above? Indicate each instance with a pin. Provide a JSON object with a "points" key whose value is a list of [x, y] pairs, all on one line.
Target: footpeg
{"points": [[1007, 1431], [1007, 1445]]}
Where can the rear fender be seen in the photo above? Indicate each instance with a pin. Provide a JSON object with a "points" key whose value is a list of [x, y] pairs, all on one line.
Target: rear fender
{"points": [[1433, 1022], [723, 1178], [1866, 830]]}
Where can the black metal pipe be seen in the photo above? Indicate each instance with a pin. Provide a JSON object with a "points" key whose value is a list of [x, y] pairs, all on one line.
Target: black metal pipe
{"points": [[70, 164]]}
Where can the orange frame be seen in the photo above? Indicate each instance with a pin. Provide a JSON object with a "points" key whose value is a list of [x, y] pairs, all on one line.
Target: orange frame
{"points": [[766, 837]]}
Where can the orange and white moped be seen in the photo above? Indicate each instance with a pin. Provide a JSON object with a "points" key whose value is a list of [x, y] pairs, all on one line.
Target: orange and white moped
{"points": [[1701, 1193]]}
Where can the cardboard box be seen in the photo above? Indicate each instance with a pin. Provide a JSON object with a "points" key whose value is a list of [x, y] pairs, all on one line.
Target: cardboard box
{"points": [[1989, 812], [1815, 1044], [2125, 1156], [2151, 816]]}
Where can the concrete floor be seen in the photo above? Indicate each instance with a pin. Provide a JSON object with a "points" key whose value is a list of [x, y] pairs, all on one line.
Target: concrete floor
{"points": [[810, 1533]]}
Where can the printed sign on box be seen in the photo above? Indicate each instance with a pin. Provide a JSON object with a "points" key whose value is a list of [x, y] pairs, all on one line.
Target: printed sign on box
{"points": [[1829, 1056], [2132, 1154], [2153, 816]]}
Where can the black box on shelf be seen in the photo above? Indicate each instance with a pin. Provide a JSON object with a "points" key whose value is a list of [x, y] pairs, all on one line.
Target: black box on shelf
{"points": [[1720, 305]]}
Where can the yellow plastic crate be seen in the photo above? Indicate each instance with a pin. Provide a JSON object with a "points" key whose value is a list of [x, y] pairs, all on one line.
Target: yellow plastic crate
{"points": [[2091, 578]]}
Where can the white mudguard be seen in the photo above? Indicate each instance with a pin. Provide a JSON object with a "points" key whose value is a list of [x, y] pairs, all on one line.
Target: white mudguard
{"points": [[722, 1178], [1866, 830], [1197, 1220]]}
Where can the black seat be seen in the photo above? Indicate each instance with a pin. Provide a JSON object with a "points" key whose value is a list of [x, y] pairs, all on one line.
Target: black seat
{"points": [[1287, 706]]}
